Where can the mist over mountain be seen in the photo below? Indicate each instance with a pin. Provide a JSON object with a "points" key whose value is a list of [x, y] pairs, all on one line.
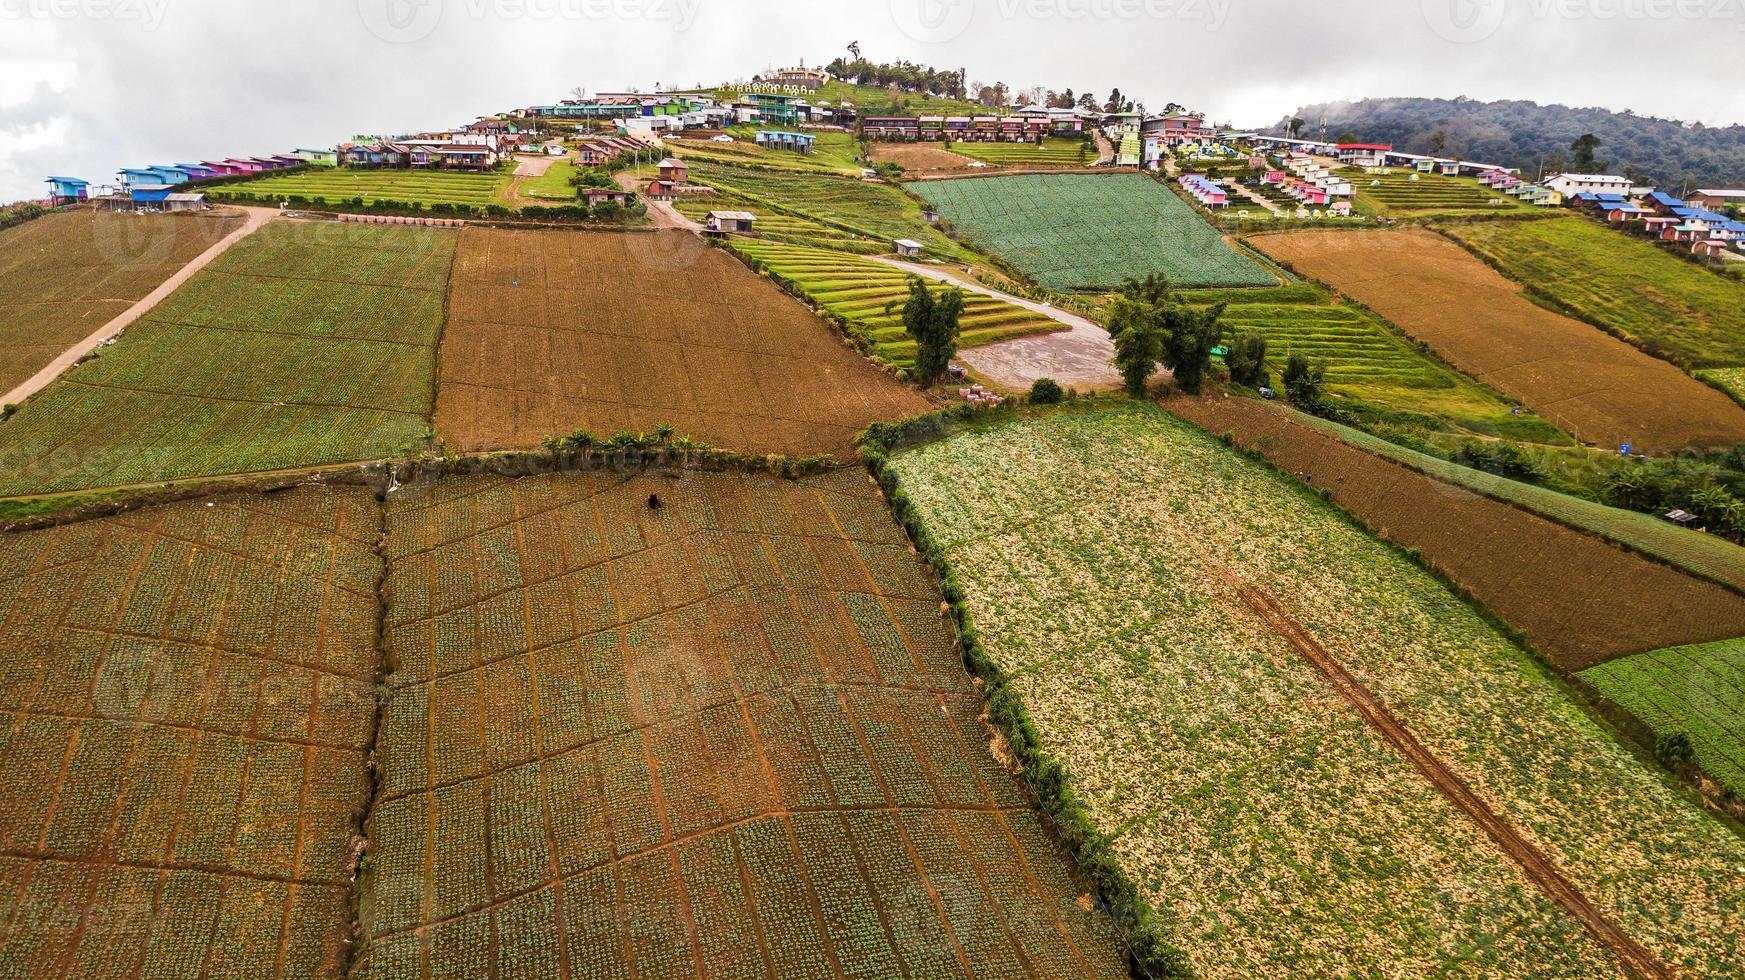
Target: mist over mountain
{"points": [[1534, 137]]}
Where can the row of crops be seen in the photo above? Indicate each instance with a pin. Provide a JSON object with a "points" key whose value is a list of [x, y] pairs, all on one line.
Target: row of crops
{"points": [[303, 344], [1051, 152], [868, 297], [1697, 692], [334, 184], [1268, 823], [1397, 192], [776, 225], [875, 211], [1091, 231]]}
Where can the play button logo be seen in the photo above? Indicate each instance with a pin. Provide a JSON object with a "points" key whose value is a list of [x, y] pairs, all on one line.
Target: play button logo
{"points": [[933, 21], [1464, 21]]}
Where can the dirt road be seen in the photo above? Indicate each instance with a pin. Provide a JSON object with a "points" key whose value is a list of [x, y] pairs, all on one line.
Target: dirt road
{"points": [[527, 168], [661, 214], [1637, 960], [253, 219], [1080, 356]]}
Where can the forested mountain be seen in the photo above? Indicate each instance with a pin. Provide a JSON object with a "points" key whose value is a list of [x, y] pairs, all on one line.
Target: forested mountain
{"points": [[1535, 137]]}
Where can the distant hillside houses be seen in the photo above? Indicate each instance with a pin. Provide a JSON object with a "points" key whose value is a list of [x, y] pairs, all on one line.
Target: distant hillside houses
{"points": [[463, 151]]}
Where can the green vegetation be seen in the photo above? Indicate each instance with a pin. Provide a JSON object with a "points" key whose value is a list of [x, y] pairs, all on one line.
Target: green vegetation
{"points": [[876, 211], [339, 184], [1086, 231], [867, 298], [931, 319], [780, 226], [1052, 152], [1186, 719], [1659, 302], [556, 184], [1152, 327], [1407, 192], [833, 153], [305, 344], [1697, 692]]}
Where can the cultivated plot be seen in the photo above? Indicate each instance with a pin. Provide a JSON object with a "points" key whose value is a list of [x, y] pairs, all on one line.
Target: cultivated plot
{"points": [[1275, 827], [726, 736], [919, 158], [63, 276], [1595, 386], [554, 332], [1412, 193], [874, 211], [342, 185], [1053, 152], [1694, 691], [306, 343], [1089, 231], [188, 698], [1578, 597]]}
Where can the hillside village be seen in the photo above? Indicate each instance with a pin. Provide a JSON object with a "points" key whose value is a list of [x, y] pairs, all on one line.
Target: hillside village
{"points": [[856, 522]]}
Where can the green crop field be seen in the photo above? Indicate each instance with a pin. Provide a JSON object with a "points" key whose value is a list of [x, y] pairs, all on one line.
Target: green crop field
{"points": [[779, 226], [1409, 192], [340, 184], [858, 292], [1153, 600], [728, 737], [1696, 691], [554, 184], [1655, 299], [876, 211], [1053, 152], [1365, 360], [833, 153], [1084, 231], [306, 343]]}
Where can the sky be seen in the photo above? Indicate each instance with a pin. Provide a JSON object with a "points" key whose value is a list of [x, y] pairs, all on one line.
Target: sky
{"points": [[87, 86]]}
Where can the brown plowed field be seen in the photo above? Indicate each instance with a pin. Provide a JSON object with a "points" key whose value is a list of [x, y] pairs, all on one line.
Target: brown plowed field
{"points": [[1577, 597], [64, 275], [730, 736], [920, 158], [553, 332], [1599, 388]]}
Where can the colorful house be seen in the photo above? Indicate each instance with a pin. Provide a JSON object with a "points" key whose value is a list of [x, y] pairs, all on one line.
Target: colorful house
{"points": [[782, 140], [67, 190]]}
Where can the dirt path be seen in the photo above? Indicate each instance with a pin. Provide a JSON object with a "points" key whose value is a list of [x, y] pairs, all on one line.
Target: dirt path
{"points": [[1105, 149], [1638, 961], [1081, 355], [1252, 196], [527, 168], [661, 214], [253, 219]]}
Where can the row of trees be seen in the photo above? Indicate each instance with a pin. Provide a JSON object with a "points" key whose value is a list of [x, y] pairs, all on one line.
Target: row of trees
{"points": [[906, 76]]}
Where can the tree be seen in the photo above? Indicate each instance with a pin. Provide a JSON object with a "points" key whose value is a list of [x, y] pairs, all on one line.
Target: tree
{"points": [[1115, 102], [1046, 391], [1583, 149], [933, 324], [1189, 336], [1347, 137], [1438, 142], [1137, 329], [1304, 383], [1150, 326], [1088, 102], [853, 49], [1294, 127], [1674, 749], [1247, 360]]}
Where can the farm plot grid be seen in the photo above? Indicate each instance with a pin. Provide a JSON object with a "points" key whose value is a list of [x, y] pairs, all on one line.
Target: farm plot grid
{"points": [[1417, 194], [773, 225], [1576, 596], [861, 293], [341, 185], [1657, 300], [1271, 827], [306, 343], [1598, 388], [727, 736], [1054, 152], [1088, 231], [554, 332], [187, 695], [1694, 691], [65, 275], [875, 211]]}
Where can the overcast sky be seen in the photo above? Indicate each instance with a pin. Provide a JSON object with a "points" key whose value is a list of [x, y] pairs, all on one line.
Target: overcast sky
{"points": [[87, 86]]}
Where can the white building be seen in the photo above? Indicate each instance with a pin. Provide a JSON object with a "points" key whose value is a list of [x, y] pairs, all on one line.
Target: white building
{"points": [[1570, 185]]}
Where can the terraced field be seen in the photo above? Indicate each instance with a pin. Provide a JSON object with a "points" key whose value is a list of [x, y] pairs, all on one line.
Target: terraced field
{"points": [[1695, 691], [1271, 815], [306, 343], [335, 185], [728, 737], [1053, 152], [832, 153], [1657, 300], [774, 225], [188, 698], [62, 276], [859, 293], [876, 211], [1409, 193], [1087, 231], [1365, 360]]}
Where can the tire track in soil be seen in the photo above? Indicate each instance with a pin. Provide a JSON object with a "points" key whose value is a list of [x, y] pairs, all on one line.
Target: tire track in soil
{"points": [[1635, 958]]}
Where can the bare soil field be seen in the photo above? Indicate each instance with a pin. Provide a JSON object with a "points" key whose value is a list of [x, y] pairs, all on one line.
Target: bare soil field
{"points": [[554, 332], [187, 694], [62, 276], [1579, 598], [1599, 388], [920, 158], [728, 736]]}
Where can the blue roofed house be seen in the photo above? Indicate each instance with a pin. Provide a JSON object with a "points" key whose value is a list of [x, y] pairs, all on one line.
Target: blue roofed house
{"points": [[153, 195], [168, 175], [67, 190], [198, 171], [779, 140]]}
